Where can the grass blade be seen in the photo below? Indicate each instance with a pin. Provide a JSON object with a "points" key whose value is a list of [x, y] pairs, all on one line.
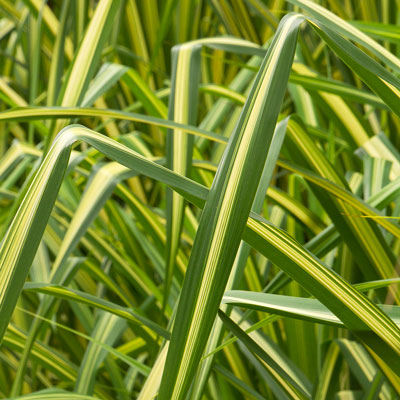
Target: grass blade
{"points": [[222, 220]]}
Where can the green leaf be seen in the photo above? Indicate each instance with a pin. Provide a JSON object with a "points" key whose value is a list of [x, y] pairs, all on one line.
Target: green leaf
{"points": [[226, 210], [295, 307], [86, 59], [93, 301], [286, 383], [107, 330]]}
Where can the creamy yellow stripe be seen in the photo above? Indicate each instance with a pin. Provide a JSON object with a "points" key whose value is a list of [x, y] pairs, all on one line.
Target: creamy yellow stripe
{"points": [[340, 289], [342, 110], [86, 52], [351, 29], [361, 228], [13, 242], [180, 138], [103, 331], [223, 217]]}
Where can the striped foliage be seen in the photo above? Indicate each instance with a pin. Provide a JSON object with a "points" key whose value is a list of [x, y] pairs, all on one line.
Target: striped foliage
{"points": [[199, 199]]}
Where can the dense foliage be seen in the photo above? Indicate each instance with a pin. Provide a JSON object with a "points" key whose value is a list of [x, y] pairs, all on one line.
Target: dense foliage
{"points": [[199, 199]]}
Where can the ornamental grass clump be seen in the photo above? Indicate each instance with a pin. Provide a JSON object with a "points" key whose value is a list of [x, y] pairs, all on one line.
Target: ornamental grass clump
{"points": [[199, 200]]}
